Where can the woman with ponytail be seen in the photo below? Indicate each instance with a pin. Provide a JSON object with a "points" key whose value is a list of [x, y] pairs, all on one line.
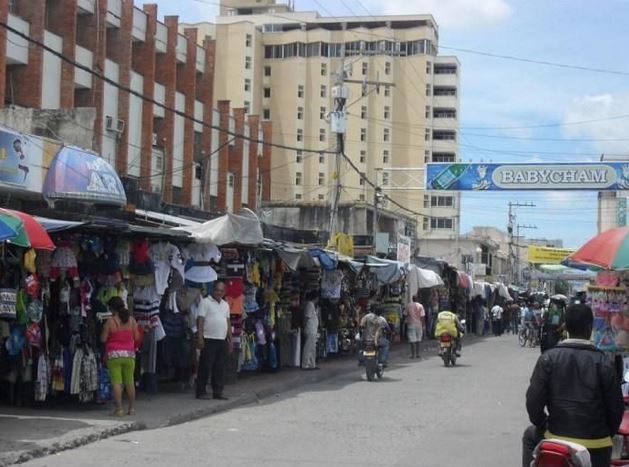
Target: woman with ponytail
{"points": [[119, 336]]}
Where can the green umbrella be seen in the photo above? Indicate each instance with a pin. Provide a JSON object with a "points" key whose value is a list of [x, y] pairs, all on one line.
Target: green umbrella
{"points": [[21, 239]]}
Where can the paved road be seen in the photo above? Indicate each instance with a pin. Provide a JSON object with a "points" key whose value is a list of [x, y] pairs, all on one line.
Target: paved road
{"points": [[421, 414]]}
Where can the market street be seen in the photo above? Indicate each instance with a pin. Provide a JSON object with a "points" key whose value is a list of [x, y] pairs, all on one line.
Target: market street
{"points": [[420, 414]]}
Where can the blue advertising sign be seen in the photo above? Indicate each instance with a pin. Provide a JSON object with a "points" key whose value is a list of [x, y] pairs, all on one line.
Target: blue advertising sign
{"points": [[78, 175], [20, 161], [595, 176]]}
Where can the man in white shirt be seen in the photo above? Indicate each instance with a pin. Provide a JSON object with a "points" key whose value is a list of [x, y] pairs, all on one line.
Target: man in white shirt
{"points": [[214, 340], [496, 319], [311, 329]]}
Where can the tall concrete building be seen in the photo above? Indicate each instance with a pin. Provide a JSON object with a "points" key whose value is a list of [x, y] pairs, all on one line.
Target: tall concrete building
{"points": [[158, 152], [282, 64]]}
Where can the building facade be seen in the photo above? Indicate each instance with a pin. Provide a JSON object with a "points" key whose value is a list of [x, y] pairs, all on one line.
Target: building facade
{"points": [[282, 64], [173, 148]]}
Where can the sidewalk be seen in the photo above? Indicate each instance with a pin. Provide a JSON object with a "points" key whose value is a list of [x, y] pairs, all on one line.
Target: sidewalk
{"points": [[27, 433]]}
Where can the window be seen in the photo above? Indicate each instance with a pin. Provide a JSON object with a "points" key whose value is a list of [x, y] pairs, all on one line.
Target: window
{"points": [[427, 155], [322, 112], [426, 201], [230, 180], [300, 113], [428, 68], [444, 91], [386, 135], [387, 112], [361, 197], [363, 112], [299, 157], [297, 195], [300, 135], [385, 179], [324, 69], [363, 156], [321, 178], [363, 134], [385, 156], [425, 223], [267, 92], [427, 134], [444, 135], [441, 201], [443, 157], [324, 90], [298, 178], [247, 63], [444, 69], [247, 85], [441, 223], [267, 71], [428, 89], [427, 111], [300, 91], [387, 91], [444, 113], [321, 134], [321, 159], [361, 182], [365, 68], [387, 68], [248, 39], [321, 197], [247, 106], [266, 114]]}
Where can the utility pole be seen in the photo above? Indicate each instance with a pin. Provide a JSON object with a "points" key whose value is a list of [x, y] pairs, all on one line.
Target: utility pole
{"points": [[511, 265], [338, 125], [517, 249]]}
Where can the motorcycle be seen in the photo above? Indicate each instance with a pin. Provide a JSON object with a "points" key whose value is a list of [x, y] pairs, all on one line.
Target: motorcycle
{"points": [[371, 360], [447, 349], [555, 452], [620, 447]]}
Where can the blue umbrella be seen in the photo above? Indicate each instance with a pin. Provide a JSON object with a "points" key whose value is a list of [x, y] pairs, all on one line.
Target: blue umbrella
{"points": [[6, 231]]}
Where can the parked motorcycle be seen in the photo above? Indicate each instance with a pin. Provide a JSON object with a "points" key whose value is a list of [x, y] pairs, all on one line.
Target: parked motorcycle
{"points": [[371, 360], [447, 349]]}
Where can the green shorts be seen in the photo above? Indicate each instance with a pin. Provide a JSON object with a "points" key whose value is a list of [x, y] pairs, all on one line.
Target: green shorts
{"points": [[121, 370]]}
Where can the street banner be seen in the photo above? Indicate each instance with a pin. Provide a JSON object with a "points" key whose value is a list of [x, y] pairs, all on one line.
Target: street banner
{"points": [[596, 176], [545, 255], [404, 249], [621, 212]]}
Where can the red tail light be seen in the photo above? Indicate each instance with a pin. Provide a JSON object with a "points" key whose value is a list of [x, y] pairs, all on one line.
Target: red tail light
{"points": [[446, 338], [553, 455]]}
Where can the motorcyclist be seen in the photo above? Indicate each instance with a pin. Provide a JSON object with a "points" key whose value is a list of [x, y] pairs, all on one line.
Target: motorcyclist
{"points": [[553, 324], [448, 323], [373, 327]]}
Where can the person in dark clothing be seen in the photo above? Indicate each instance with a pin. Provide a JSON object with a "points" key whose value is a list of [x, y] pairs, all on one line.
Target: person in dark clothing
{"points": [[574, 393]]}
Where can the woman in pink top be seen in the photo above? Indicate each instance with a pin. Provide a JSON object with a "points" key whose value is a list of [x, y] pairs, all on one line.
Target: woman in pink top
{"points": [[119, 335]]}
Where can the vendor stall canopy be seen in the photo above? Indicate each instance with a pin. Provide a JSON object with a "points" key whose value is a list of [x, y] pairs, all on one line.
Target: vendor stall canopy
{"points": [[226, 230]]}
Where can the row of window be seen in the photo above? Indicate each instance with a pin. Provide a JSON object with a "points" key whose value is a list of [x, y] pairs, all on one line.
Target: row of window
{"points": [[438, 201], [438, 223], [299, 178], [299, 196], [348, 49]]}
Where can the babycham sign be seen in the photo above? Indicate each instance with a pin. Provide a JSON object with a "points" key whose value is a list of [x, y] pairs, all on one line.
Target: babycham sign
{"points": [[598, 176]]}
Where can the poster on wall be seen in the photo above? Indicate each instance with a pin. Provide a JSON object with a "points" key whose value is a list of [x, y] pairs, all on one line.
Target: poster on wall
{"points": [[21, 161], [593, 176]]}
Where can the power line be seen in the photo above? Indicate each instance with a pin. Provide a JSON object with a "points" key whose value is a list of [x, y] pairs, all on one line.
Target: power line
{"points": [[150, 99]]}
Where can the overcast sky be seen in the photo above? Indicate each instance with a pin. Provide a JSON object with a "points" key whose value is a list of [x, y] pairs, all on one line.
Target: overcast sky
{"points": [[500, 94]]}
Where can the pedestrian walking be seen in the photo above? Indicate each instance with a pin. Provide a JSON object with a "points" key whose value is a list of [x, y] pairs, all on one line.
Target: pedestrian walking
{"points": [[415, 325], [119, 335], [311, 328], [214, 340], [496, 319]]}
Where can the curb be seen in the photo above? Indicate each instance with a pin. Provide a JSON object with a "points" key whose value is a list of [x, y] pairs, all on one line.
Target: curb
{"points": [[82, 440]]}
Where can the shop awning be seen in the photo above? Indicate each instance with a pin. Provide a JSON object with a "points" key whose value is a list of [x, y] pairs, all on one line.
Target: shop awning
{"points": [[228, 229], [165, 219], [78, 175], [387, 271], [57, 225], [418, 278], [30, 233], [158, 232]]}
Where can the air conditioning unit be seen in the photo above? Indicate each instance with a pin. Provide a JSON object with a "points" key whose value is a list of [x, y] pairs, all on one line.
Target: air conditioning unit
{"points": [[120, 126]]}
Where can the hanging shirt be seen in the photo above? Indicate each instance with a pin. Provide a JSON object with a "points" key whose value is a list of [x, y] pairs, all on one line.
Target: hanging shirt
{"points": [[311, 318], [165, 256], [331, 284], [198, 257]]}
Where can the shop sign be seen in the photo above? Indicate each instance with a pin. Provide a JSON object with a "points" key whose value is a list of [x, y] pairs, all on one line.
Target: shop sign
{"points": [[404, 249], [79, 175], [23, 161], [382, 243], [621, 212], [598, 176], [545, 255], [479, 269]]}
